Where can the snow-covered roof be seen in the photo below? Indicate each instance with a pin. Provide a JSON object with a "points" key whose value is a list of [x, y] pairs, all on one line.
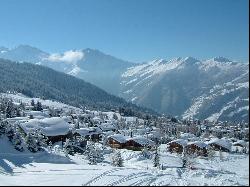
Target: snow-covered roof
{"points": [[119, 138], [88, 131], [180, 142], [187, 136], [107, 127], [240, 142], [17, 119], [96, 118], [130, 119], [50, 126], [221, 142], [141, 140], [37, 113], [198, 144]]}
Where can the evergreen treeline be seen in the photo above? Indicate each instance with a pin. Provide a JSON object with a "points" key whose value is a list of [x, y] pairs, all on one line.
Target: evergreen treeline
{"points": [[39, 81]]}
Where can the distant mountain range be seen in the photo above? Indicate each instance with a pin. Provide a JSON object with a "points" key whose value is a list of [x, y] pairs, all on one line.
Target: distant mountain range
{"points": [[38, 81], [214, 89]]}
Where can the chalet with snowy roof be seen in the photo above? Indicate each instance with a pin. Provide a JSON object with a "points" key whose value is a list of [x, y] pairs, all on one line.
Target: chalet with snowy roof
{"points": [[220, 144], [55, 128], [117, 141], [240, 143], [197, 147], [93, 133], [177, 145], [17, 119], [107, 127], [138, 143], [37, 114], [132, 143]]}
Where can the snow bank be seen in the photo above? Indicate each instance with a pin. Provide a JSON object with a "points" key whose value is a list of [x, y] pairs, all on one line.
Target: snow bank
{"points": [[50, 126]]}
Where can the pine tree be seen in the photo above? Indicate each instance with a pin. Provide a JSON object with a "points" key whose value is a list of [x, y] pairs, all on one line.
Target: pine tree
{"points": [[18, 141], [9, 109], [50, 146], [3, 127], [184, 158], [10, 132], [221, 155], [66, 147], [40, 139], [116, 159], [31, 142], [156, 159], [99, 154], [39, 106], [91, 153], [32, 102], [145, 152]]}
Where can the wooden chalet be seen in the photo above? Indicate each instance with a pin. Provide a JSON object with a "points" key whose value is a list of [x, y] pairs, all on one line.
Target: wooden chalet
{"points": [[177, 145], [199, 148]]}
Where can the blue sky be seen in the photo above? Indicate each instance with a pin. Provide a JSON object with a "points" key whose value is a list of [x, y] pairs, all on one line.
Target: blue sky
{"points": [[134, 30]]}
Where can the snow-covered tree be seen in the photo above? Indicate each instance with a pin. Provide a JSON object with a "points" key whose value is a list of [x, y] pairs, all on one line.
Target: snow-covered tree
{"points": [[31, 142], [99, 154], [9, 111], [41, 139], [210, 153], [156, 158], [10, 131], [18, 141], [32, 103], [145, 152], [50, 146], [221, 155], [92, 155], [116, 159], [3, 127], [67, 147], [38, 106]]}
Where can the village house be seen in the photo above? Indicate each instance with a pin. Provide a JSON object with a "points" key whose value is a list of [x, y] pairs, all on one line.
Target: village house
{"points": [[198, 147], [138, 143], [55, 128], [177, 145], [89, 133], [220, 144], [117, 141]]}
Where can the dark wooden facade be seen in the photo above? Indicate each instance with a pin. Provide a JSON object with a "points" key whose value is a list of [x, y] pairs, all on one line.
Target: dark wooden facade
{"points": [[115, 144], [194, 149], [175, 147], [217, 147]]}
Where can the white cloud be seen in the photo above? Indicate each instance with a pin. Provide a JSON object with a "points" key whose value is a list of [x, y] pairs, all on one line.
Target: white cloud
{"points": [[68, 57]]}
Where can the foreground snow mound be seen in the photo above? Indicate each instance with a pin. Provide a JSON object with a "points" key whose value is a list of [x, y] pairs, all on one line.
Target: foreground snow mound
{"points": [[10, 158]]}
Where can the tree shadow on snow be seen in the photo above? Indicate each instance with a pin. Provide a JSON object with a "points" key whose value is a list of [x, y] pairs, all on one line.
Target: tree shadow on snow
{"points": [[10, 161]]}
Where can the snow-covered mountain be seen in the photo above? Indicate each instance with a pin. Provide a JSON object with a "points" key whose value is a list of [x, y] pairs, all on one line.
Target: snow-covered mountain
{"points": [[89, 64], [214, 89]]}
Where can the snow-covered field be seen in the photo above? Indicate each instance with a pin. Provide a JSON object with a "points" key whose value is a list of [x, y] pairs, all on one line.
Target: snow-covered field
{"points": [[44, 168]]}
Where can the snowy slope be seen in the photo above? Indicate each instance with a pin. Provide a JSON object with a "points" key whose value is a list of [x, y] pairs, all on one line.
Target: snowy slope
{"points": [[55, 169], [214, 89]]}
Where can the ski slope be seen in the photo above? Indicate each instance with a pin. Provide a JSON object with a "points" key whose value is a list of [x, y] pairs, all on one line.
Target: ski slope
{"points": [[55, 169]]}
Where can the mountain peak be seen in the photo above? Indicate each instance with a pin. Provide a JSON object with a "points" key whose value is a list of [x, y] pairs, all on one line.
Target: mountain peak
{"points": [[28, 48], [190, 60], [221, 59]]}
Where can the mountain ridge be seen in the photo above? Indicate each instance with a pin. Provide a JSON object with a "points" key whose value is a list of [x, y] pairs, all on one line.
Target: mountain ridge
{"points": [[180, 83]]}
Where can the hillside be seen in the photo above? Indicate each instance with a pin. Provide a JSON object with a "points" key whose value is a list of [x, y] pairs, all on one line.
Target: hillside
{"points": [[215, 89], [38, 81]]}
